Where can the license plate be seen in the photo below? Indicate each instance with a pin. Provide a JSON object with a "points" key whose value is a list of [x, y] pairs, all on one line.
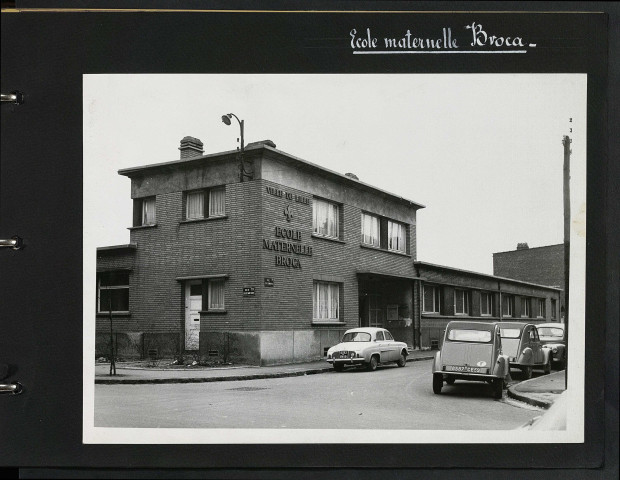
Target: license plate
{"points": [[463, 368]]}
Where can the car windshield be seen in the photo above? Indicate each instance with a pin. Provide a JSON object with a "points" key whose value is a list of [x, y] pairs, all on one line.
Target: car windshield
{"points": [[459, 335], [356, 337], [551, 332], [510, 332]]}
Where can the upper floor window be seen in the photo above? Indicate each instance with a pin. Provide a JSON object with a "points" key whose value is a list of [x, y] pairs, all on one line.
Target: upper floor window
{"points": [[202, 203], [144, 211], [542, 308], [325, 218], [526, 305], [486, 303], [508, 305], [461, 302], [397, 237], [370, 230], [113, 289], [432, 299]]}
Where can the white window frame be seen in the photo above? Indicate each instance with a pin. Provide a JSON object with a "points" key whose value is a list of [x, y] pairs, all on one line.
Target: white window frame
{"points": [[211, 284], [542, 308], [466, 306], [436, 307], [401, 237], [188, 214], [488, 304], [212, 211], [526, 304], [111, 287], [144, 211], [509, 301], [330, 208], [375, 223], [333, 294]]}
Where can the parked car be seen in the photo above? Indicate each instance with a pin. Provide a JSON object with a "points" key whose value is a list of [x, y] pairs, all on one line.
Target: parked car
{"points": [[471, 351], [525, 351], [553, 336], [367, 347]]}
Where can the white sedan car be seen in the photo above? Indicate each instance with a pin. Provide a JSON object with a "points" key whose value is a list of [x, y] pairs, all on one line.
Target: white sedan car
{"points": [[368, 347]]}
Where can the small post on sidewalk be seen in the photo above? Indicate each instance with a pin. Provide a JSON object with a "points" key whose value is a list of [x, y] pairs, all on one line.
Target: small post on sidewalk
{"points": [[566, 141], [112, 359]]}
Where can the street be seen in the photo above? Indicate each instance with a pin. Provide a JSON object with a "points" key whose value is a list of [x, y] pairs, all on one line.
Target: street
{"points": [[389, 398]]}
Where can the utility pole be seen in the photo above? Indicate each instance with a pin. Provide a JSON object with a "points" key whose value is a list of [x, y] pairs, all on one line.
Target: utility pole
{"points": [[566, 141]]}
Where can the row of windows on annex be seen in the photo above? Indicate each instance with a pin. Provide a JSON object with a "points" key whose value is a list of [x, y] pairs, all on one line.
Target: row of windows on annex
{"points": [[113, 296], [197, 205], [376, 231], [531, 307], [113, 292]]}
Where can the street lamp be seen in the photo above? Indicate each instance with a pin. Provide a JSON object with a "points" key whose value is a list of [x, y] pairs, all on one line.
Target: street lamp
{"points": [[243, 173]]}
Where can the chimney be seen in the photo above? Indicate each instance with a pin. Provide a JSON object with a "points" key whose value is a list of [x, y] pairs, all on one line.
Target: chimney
{"points": [[522, 246], [191, 147]]}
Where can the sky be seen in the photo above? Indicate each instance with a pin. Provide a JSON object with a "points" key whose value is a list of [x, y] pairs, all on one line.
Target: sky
{"points": [[482, 152]]}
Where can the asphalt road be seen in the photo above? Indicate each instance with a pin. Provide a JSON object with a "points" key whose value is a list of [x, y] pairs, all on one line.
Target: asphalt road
{"points": [[389, 398]]}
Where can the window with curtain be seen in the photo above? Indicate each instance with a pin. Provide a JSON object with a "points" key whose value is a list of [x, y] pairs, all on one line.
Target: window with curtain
{"points": [[217, 202], [370, 230], [542, 310], [148, 211], [508, 305], [326, 301], [325, 218], [397, 237], [216, 294], [195, 202], [526, 307], [486, 303]]}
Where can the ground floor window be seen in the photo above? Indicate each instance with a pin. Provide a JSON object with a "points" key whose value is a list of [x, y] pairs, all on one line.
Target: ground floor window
{"points": [[326, 301], [554, 312], [486, 303], [113, 294], [461, 302], [216, 294], [526, 307], [375, 313], [432, 299], [542, 310], [508, 305]]}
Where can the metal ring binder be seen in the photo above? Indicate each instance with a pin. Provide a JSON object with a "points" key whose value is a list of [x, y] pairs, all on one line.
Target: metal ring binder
{"points": [[14, 242], [14, 388], [13, 97]]}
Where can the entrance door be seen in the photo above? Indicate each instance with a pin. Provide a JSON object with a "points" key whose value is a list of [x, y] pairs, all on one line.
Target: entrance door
{"points": [[193, 305]]}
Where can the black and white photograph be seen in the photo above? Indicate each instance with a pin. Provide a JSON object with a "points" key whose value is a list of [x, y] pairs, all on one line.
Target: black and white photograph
{"points": [[300, 258]]}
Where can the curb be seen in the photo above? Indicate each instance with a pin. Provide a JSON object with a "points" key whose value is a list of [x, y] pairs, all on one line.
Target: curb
{"points": [[529, 400], [258, 376]]}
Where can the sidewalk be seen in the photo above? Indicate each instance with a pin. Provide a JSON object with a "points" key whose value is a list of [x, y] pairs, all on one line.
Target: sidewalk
{"points": [[126, 373], [541, 391]]}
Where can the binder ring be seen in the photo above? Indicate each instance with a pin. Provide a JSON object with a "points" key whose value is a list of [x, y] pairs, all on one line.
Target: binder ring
{"points": [[14, 388], [14, 242], [13, 97]]}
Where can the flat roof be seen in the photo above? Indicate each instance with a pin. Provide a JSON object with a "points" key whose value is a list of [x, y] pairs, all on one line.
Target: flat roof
{"points": [[486, 275], [530, 248], [133, 171]]}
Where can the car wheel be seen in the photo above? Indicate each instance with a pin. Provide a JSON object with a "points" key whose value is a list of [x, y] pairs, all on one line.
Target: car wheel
{"points": [[450, 380], [339, 367], [402, 361], [372, 365], [437, 382], [498, 388], [547, 369], [527, 372]]}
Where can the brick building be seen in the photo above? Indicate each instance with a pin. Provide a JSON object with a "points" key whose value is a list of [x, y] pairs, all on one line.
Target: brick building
{"points": [[267, 270], [542, 265], [447, 294], [274, 268]]}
